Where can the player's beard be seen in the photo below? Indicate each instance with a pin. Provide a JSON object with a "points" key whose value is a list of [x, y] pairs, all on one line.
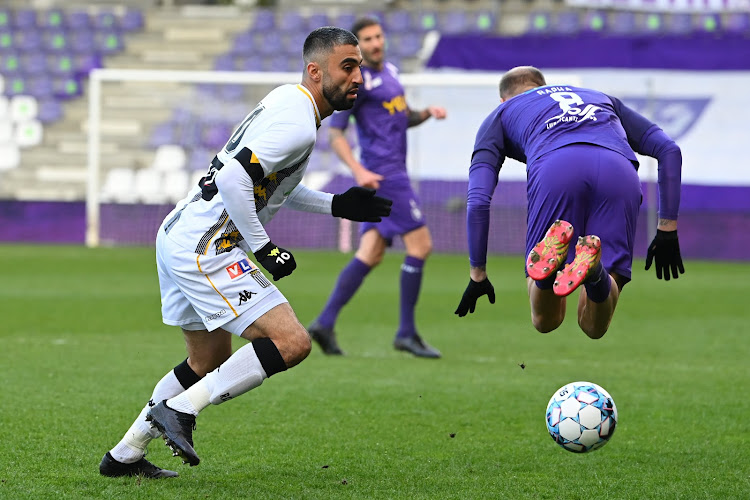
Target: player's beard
{"points": [[337, 98]]}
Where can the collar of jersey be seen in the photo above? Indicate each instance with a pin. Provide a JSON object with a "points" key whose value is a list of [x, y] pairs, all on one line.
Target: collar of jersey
{"points": [[315, 106]]}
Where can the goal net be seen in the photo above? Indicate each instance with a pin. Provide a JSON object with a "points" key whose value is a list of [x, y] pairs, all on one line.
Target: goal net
{"points": [[152, 135]]}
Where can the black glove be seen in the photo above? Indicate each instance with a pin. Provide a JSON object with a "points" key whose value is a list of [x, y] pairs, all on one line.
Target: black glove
{"points": [[475, 290], [360, 204], [666, 249], [276, 260]]}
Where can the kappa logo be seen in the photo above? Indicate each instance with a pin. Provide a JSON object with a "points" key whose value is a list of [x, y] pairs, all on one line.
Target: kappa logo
{"points": [[245, 296], [240, 268]]}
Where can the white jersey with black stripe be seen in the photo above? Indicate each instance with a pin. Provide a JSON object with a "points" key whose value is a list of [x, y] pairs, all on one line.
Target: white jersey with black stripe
{"points": [[278, 137]]}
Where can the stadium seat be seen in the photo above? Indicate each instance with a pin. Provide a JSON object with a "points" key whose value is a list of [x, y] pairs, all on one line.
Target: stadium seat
{"points": [[10, 156], [680, 23], [253, 62], [24, 19], [163, 133], [709, 23], [40, 86], [272, 44], [224, 62], [119, 186], [264, 21], [318, 20], [50, 110], [176, 185], [453, 21], [109, 42], [23, 108], [539, 23], [567, 22], [9, 63], [5, 17], [149, 186], [738, 23], [53, 18], [66, 87], [397, 21], [293, 43], [77, 20], [484, 22], [59, 65], [28, 133], [623, 23], [106, 20], [243, 44], [28, 40], [215, 134], [131, 20], [405, 45], [55, 41], [653, 23], [199, 159], [344, 20], [84, 63], [169, 157], [594, 21], [14, 85], [291, 21], [424, 21], [82, 41]]}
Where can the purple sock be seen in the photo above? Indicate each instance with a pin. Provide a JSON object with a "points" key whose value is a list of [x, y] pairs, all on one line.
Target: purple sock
{"points": [[411, 282], [350, 279], [598, 284]]}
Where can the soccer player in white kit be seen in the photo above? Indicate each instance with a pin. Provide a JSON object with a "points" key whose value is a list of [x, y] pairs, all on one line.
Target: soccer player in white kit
{"points": [[209, 285]]}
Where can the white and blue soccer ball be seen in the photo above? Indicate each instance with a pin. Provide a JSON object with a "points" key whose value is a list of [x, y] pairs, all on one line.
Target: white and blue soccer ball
{"points": [[581, 417]]}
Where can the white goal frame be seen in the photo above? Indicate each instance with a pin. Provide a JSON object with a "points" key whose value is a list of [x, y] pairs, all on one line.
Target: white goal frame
{"points": [[102, 75]]}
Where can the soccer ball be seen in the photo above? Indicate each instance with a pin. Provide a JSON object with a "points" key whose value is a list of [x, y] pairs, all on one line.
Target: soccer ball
{"points": [[581, 417]]}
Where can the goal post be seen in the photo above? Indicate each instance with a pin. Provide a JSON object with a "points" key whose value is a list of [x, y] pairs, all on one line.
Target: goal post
{"points": [[150, 130]]}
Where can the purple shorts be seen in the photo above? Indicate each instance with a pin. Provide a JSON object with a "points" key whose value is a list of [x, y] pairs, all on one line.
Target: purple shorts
{"points": [[595, 189], [406, 214]]}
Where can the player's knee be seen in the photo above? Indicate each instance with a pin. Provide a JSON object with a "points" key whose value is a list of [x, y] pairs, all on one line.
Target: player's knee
{"points": [[594, 332], [545, 323], [297, 346]]}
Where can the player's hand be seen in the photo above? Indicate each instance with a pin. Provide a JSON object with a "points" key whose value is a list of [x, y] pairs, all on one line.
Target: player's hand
{"points": [[665, 250], [360, 204], [367, 178], [276, 260], [473, 291], [437, 112]]}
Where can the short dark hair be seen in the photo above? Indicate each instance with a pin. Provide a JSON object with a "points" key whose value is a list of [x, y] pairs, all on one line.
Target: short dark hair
{"points": [[323, 40], [517, 79], [362, 23]]}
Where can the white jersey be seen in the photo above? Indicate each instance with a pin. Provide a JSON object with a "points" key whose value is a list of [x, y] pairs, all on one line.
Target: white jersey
{"points": [[273, 145]]}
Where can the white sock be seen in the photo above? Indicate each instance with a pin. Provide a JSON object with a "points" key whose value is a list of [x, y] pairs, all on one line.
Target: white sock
{"points": [[132, 446], [237, 375]]}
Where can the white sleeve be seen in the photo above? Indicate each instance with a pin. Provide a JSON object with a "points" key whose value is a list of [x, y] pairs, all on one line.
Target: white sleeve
{"points": [[304, 199], [236, 189]]}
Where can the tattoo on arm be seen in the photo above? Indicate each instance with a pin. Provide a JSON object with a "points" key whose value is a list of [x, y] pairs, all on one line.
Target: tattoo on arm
{"points": [[417, 117]]}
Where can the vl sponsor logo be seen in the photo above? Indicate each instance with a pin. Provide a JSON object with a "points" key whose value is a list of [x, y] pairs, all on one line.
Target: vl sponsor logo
{"points": [[245, 296], [240, 268]]}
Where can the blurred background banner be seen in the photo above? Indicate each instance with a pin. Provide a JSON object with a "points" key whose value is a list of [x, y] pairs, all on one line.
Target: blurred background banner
{"points": [[110, 111]]}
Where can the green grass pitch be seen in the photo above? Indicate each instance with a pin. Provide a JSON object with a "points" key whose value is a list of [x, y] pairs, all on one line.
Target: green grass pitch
{"points": [[82, 346]]}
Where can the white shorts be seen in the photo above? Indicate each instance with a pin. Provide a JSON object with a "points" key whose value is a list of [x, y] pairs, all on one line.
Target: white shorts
{"points": [[225, 291]]}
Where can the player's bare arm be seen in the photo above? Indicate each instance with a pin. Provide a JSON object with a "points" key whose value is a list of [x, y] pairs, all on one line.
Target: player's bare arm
{"points": [[419, 117], [343, 150]]}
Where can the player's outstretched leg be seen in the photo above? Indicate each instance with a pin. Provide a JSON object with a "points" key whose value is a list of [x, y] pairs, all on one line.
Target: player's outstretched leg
{"points": [[112, 468], [325, 338], [588, 256], [177, 428], [550, 253]]}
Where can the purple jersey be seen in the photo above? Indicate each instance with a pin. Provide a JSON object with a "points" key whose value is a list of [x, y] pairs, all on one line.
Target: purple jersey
{"points": [[544, 119], [382, 119]]}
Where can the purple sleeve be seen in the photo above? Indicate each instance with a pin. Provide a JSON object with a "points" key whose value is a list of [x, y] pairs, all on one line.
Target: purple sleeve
{"points": [[648, 139], [340, 119], [482, 183], [486, 161]]}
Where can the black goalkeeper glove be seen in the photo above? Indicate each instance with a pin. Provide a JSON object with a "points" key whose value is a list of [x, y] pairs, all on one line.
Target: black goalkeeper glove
{"points": [[360, 204], [665, 248], [475, 290], [276, 260]]}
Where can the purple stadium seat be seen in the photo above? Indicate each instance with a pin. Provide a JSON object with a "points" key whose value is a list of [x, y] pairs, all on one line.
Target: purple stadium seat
{"points": [[623, 23], [15, 85], [84, 63], [6, 40], [291, 21], [709, 23], [55, 41], [33, 63], [199, 158], [131, 20], [567, 23], [231, 92], [77, 20], [24, 19], [28, 40], [594, 21], [317, 20], [264, 21], [82, 41], [215, 134], [397, 21], [50, 110], [66, 87], [405, 45], [59, 64], [738, 23], [423, 21], [224, 62], [5, 17], [680, 23], [40, 87], [453, 21], [344, 20], [243, 44], [253, 62], [653, 23], [53, 18], [10, 63], [483, 22], [106, 20], [293, 43], [540, 22], [109, 42], [272, 43], [163, 133]]}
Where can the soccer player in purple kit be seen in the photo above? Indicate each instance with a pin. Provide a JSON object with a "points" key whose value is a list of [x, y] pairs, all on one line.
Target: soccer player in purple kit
{"points": [[382, 117], [579, 147]]}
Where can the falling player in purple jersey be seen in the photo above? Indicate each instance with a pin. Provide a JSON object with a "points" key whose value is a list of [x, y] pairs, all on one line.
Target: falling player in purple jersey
{"points": [[382, 117], [579, 147]]}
